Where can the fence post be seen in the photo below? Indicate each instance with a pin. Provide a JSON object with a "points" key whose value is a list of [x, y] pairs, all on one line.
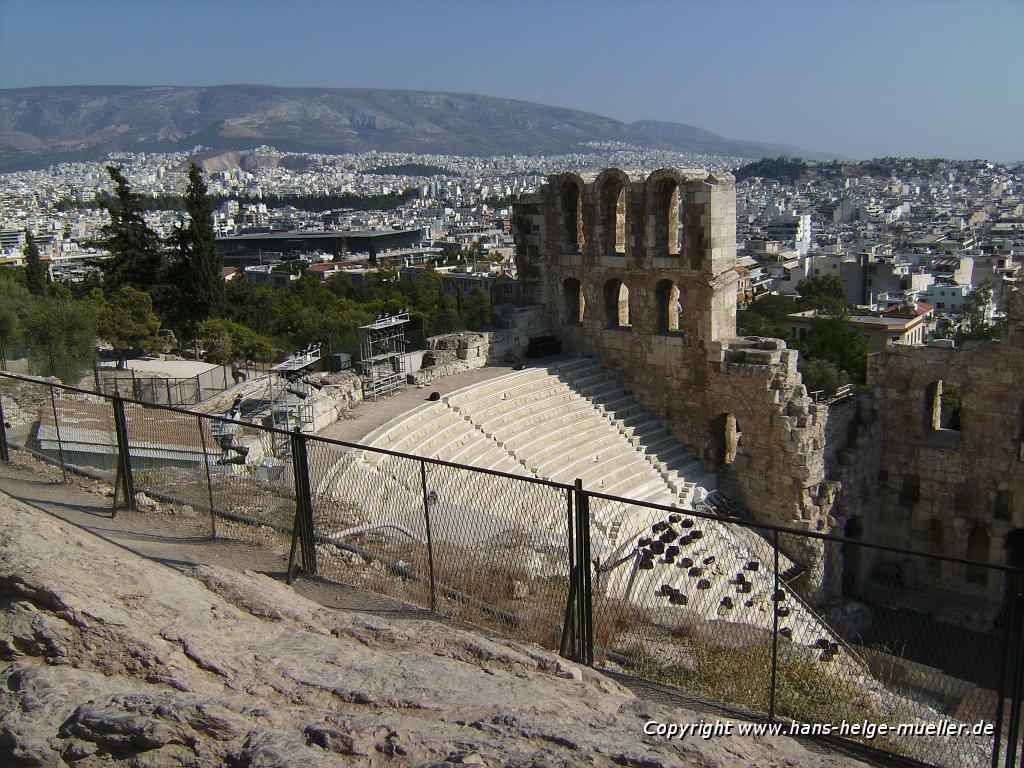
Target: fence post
{"points": [[775, 626], [209, 480], [430, 535], [124, 459], [1017, 678], [567, 648], [5, 454], [56, 426], [1006, 661], [303, 503], [585, 632]]}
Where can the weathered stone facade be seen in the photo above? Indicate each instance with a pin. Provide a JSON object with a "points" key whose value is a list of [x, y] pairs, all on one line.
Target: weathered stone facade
{"points": [[451, 353], [950, 483], [638, 272]]}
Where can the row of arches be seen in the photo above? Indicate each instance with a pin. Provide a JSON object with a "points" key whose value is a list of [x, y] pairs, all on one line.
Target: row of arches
{"points": [[617, 309], [664, 219], [978, 547], [944, 411]]}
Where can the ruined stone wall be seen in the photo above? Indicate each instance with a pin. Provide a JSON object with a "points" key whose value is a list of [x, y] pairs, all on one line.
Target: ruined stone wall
{"points": [[853, 460], [959, 491], [451, 353], [875, 469], [672, 340]]}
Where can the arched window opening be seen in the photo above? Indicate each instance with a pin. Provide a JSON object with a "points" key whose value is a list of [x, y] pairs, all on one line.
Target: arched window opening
{"points": [[854, 529], [1020, 437], [669, 307], [573, 302], [572, 218], [978, 542], [910, 490], [613, 217], [1002, 506], [666, 218], [616, 304], [936, 545], [946, 406], [1014, 543]]}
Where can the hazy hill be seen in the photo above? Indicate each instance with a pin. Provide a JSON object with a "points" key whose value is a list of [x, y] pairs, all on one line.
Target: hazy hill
{"points": [[43, 125]]}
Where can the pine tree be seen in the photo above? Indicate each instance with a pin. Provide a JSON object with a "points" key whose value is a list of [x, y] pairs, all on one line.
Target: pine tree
{"points": [[35, 277], [197, 273], [126, 321], [136, 253]]}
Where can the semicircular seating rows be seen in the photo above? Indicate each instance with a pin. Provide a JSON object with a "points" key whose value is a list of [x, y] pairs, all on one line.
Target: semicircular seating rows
{"points": [[566, 420]]}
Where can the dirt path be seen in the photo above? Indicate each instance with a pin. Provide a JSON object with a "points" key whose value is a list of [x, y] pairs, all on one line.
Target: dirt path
{"points": [[175, 540]]}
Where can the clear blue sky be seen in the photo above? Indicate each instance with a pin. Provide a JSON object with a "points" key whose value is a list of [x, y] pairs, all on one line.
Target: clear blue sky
{"points": [[866, 78]]}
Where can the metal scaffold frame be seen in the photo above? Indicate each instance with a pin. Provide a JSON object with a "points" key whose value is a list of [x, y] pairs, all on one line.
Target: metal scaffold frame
{"points": [[288, 392], [383, 346]]}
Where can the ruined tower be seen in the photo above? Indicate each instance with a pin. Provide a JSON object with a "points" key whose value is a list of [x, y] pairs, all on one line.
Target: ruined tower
{"points": [[638, 271]]}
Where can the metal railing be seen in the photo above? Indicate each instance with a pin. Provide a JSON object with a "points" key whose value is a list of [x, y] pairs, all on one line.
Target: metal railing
{"points": [[666, 594], [176, 391]]}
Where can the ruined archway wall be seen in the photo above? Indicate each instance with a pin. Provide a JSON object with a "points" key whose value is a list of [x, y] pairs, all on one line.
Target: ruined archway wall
{"points": [[689, 377], [958, 476]]}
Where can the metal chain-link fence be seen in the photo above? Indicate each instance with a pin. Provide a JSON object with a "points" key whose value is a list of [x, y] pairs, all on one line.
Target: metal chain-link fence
{"points": [[707, 604]]}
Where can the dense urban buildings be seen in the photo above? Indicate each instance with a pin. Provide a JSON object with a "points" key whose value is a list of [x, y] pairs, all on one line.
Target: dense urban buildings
{"points": [[898, 233]]}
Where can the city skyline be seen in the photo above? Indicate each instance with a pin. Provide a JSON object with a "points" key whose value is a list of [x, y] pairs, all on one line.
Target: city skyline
{"points": [[859, 81]]}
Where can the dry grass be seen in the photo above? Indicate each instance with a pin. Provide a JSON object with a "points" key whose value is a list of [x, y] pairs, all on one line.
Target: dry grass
{"points": [[805, 691]]}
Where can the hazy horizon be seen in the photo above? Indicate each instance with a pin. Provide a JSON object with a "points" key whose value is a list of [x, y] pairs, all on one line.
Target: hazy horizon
{"points": [[925, 79]]}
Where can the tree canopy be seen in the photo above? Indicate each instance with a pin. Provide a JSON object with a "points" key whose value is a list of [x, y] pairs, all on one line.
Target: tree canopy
{"points": [[62, 334], [126, 321], [193, 288], [834, 351], [35, 270], [226, 340], [136, 253]]}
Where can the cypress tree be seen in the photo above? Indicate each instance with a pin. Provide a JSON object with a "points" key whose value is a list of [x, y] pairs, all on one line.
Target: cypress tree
{"points": [[136, 253], [198, 251], [35, 272]]}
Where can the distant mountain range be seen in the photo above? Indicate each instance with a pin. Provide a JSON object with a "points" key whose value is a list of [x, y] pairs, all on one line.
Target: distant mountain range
{"points": [[39, 126]]}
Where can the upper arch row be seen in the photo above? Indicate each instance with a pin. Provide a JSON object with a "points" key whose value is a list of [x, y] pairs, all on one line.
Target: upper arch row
{"points": [[658, 226], [681, 176]]}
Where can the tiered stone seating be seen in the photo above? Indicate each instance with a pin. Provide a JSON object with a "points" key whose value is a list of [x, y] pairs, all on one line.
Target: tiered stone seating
{"points": [[716, 575], [570, 420], [354, 492], [682, 470]]}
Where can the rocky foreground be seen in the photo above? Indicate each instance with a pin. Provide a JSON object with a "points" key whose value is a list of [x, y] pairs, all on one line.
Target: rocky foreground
{"points": [[107, 658]]}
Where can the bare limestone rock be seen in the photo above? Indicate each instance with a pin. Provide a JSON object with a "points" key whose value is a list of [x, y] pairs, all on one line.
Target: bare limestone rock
{"points": [[107, 658]]}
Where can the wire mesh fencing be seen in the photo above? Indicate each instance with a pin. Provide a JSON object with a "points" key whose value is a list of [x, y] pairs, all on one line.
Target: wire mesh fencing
{"points": [[458, 541], [499, 551], [69, 428], [691, 601], [369, 520], [925, 648], [683, 605]]}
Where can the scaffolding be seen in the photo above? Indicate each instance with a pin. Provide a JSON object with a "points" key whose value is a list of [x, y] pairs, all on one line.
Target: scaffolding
{"points": [[383, 347], [289, 390]]}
